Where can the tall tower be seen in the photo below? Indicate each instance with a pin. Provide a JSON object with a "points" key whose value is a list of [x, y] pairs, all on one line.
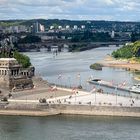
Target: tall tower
{"points": [[112, 34]]}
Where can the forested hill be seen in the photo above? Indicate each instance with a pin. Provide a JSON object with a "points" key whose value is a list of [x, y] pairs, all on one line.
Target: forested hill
{"points": [[128, 51], [94, 24]]}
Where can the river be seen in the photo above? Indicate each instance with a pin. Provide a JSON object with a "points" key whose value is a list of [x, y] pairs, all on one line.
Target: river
{"points": [[69, 128], [69, 66], [72, 69]]}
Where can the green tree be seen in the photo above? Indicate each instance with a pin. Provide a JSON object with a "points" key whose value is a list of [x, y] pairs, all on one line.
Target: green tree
{"points": [[30, 39], [128, 51], [22, 59]]}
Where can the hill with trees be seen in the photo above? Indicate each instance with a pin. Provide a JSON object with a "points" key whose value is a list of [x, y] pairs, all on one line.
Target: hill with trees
{"points": [[90, 24], [128, 51]]}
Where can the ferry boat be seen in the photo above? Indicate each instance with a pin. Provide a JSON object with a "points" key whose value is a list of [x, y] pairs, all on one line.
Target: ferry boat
{"points": [[101, 82], [135, 88]]}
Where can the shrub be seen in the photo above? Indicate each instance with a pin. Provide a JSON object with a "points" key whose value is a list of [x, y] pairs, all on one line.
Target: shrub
{"points": [[96, 66], [22, 59]]}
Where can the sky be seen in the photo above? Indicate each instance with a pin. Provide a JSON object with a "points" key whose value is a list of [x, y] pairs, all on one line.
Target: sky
{"points": [[118, 10]]}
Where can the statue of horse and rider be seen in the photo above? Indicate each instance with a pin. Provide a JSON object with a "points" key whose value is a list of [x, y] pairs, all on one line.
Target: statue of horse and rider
{"points": [[6, 50]]}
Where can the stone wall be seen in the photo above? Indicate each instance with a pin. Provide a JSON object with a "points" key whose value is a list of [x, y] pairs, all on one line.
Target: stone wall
{"points": [[97, 110], [74, 109]]}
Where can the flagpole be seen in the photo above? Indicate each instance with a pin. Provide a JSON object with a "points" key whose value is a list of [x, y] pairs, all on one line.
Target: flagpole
{"points": [[95, 97], [79, 80], [69, 81], [116, 94], [94, 91], [75, 95]]}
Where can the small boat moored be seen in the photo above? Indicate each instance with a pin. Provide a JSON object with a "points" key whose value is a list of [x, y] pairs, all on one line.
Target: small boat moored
{"points": [[135, 88], [101, 82]]}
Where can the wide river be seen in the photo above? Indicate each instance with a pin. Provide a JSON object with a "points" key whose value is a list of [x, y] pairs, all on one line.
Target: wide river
{"points": [[72, 69], [69, 128], [71, 66]]}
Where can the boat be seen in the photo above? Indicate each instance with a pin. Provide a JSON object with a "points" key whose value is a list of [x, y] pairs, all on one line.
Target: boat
{"points": [[135, 88], [101, 82]]}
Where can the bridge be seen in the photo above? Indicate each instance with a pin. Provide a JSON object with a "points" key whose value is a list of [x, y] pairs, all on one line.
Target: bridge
{"points": [[49, 45]]}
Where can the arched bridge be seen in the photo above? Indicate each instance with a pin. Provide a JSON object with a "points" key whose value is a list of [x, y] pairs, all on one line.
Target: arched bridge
{"points": [[59, 45]]}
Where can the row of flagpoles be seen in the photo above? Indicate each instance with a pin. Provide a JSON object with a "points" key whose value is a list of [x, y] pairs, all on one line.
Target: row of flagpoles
{"points": [[78, 77], [75, 91]]}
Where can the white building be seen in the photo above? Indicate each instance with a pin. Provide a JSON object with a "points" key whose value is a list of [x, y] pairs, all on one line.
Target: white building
{"points": [[82, 26], [75, 27], [51, 27], [67, 27], [112, 34], [59, 27], [42, 28]]}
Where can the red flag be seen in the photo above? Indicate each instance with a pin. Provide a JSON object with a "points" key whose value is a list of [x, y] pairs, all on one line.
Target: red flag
{"points": [[123, 84], [74, 90], [54, 88], [93, 90]]}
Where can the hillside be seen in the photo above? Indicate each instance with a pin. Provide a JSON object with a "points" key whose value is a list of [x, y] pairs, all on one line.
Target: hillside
{"points": [[128, 51], [93, 24]]}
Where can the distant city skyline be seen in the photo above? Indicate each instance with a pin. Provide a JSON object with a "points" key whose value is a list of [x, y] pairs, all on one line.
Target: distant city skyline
{"points": [[114, 10]]}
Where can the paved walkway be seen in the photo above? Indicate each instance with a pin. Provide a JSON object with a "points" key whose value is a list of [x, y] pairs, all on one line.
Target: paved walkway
{"points": [[87, 98]]}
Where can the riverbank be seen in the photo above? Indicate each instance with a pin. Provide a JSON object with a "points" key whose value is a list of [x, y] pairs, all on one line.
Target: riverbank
{"points": [[125, 64], [87, 110], [68, 101], [26, 113], [72, 103]]}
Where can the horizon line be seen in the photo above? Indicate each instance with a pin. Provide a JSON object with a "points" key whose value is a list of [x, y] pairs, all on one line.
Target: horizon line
{"points": [[70, 19]]}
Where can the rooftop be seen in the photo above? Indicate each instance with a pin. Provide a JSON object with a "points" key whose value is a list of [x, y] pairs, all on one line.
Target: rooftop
{"points": [[7, 59]]}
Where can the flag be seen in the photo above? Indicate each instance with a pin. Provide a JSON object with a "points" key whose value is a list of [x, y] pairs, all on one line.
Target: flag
{"points": [[122, 84], [78, 75], [54, 88], [59, 76], [112, 83], [74, 90], [91, 78], [93, 90]]}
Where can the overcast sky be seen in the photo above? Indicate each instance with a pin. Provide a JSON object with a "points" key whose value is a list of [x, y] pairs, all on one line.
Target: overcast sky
{"points": [[122, 10]]}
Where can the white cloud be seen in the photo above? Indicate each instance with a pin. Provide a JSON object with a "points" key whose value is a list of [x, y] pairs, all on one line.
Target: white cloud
{"points": [[71, 9]]}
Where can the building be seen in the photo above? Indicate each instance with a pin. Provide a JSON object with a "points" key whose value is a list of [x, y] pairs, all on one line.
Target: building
{"points": [[67, 27], [112, 34], [15, 29], [51, 27], [75, 27], [42, 28], [83, 27], [13, 76], [59, 27], [37, 27]]}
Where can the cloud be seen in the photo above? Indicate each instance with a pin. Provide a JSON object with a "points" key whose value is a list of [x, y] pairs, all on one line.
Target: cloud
{"points": [[71, 9]]}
